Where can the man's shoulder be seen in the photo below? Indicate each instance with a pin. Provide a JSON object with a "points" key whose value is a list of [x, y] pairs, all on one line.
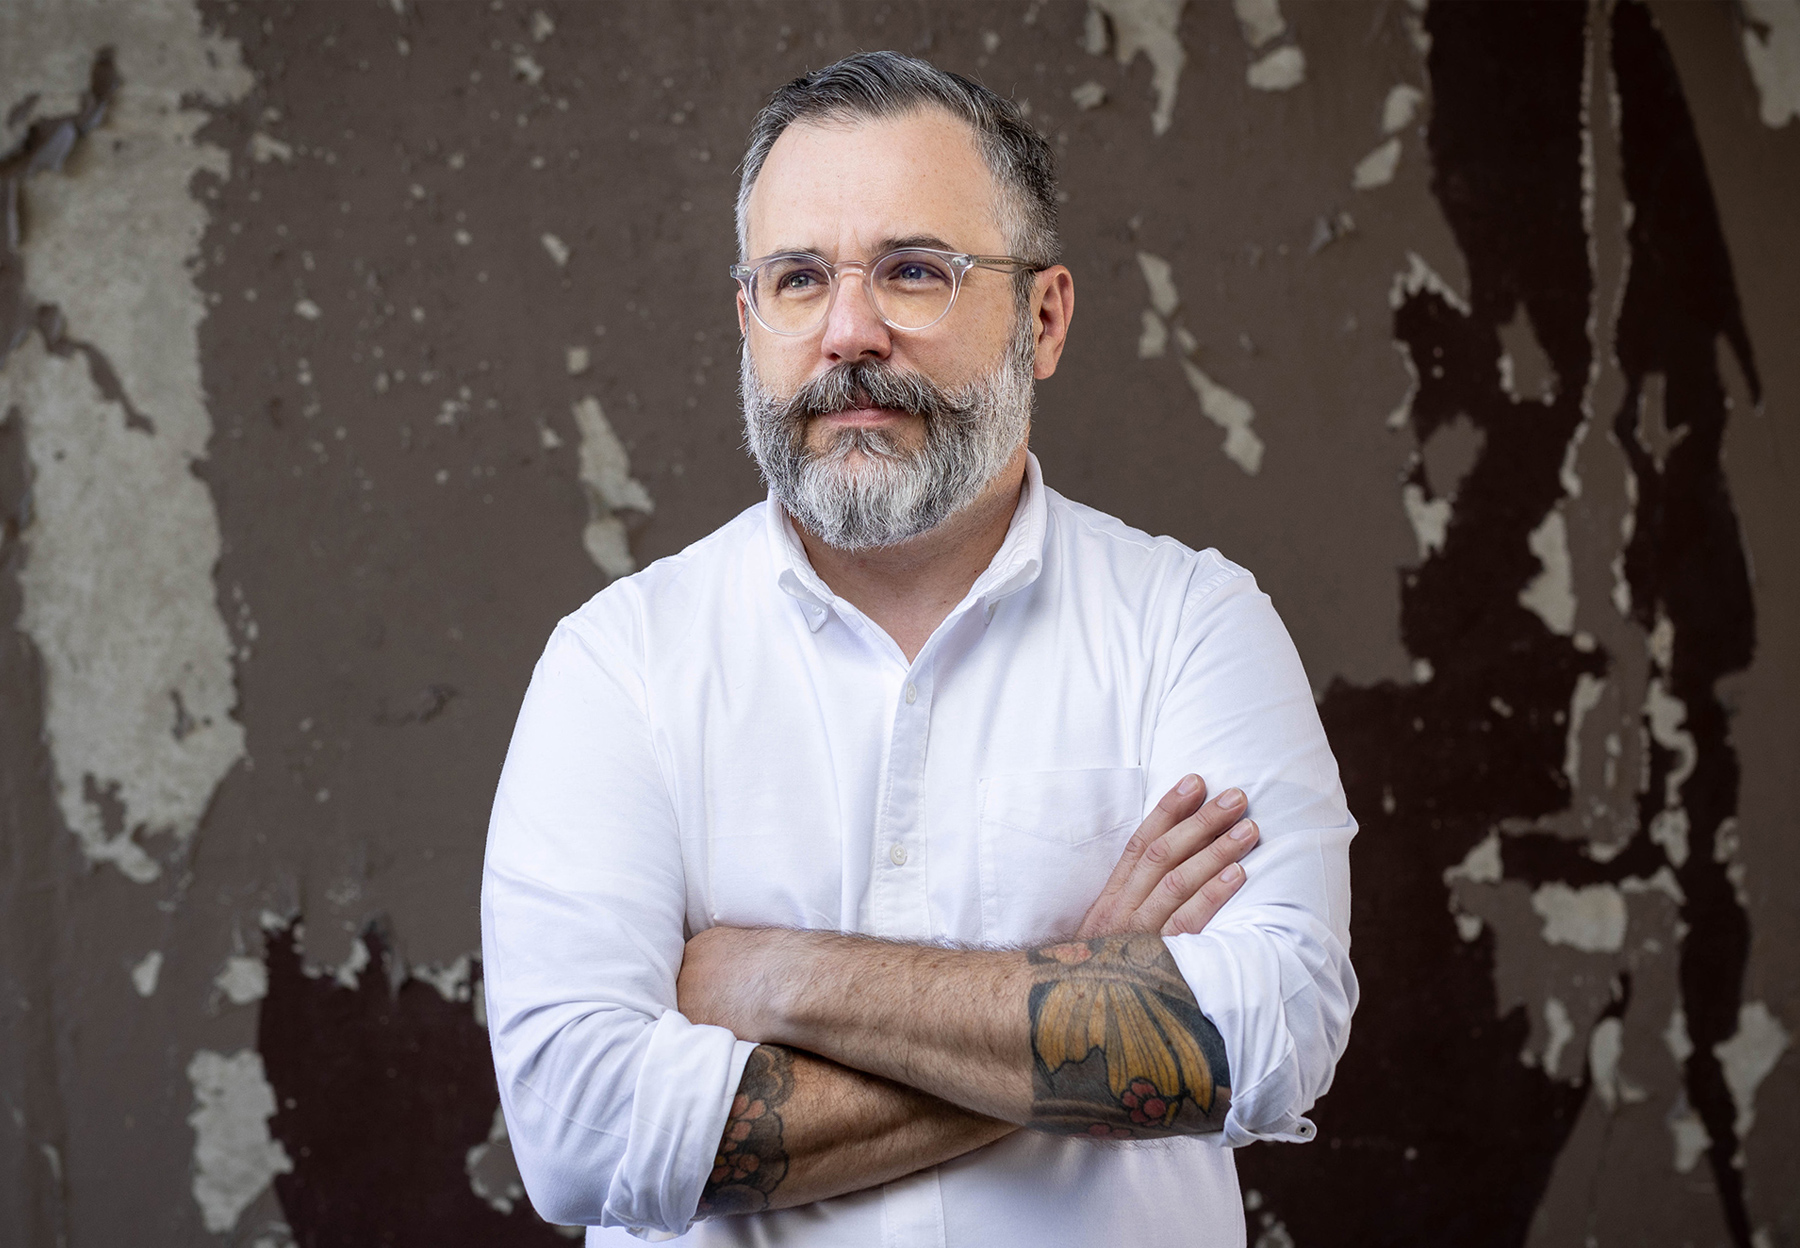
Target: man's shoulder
{"points": [[1092, 541], [669, 588]]}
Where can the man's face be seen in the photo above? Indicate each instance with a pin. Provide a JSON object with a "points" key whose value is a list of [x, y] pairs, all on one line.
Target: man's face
{"points": [[870, 435]]}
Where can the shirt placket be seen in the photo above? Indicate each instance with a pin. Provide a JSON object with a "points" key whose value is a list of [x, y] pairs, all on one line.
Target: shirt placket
{"points": [[899, 905]]}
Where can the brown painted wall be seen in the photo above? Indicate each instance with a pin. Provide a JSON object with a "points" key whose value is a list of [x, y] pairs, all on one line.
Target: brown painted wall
{"points": [[348, 345]]}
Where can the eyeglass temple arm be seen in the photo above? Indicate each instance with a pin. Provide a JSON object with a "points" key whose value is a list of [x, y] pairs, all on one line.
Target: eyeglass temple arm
{"points": [[1008, 263]]}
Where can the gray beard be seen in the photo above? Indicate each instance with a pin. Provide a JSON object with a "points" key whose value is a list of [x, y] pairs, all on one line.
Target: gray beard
{"points": [[895, 492]]}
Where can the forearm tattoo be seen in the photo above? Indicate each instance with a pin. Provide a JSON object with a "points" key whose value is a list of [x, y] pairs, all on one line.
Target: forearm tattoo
{"points": [[1120, 1049], [751, 1161]]}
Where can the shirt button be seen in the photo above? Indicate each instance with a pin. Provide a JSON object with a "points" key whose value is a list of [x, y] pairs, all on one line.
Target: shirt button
{"points": [[898, 854], [912, 693]]}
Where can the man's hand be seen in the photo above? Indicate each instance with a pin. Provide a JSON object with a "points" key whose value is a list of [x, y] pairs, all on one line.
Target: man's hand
{"points": [[1178, 868]]}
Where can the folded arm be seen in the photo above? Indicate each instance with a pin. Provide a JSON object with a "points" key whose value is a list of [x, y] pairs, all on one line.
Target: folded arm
{"points": [[1095, 1037], [803, 1129]]}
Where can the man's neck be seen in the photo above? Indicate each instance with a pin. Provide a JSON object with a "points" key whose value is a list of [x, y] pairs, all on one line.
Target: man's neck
{"points": [[909, 588]]}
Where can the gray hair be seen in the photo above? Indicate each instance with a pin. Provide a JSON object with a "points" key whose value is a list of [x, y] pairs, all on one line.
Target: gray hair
{"points": [[887, 84]]}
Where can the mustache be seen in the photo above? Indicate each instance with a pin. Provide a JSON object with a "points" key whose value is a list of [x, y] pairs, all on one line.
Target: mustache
{"points": [[874, 383]]}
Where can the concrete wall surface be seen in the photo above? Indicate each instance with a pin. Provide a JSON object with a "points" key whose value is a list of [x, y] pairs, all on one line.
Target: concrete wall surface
{"points": [[348, 344]]}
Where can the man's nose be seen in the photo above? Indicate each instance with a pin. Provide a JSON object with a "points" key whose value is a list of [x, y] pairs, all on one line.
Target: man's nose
{"points": [[854, 330]]}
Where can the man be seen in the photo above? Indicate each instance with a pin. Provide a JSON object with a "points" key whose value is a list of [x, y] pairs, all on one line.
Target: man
{"points": [[919, 697]]}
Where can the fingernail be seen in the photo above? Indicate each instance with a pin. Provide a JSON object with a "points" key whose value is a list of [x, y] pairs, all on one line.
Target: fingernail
{"points": [[1244, 831], [1231, 799], [1188, 785], [1232, 874]]}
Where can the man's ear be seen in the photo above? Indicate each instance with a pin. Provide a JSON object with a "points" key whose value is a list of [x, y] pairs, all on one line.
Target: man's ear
{"points": [[1053, 308], [743, 314]]}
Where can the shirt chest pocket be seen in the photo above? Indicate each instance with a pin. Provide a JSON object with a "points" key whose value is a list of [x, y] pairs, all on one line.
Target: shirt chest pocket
{"points": [[1048, 840]]}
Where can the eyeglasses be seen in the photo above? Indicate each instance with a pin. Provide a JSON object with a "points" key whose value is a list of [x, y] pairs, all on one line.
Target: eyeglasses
{"points": [[911, 288]]}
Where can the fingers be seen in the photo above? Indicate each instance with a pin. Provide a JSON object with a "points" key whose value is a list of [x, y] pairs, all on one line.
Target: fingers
{"points": [[1176, 805], [1194, 892], [1175, 847]]}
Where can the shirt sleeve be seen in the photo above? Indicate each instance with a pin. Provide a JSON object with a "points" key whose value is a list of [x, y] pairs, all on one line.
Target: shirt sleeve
{"points": [[614, 1101], [1272, 970]]}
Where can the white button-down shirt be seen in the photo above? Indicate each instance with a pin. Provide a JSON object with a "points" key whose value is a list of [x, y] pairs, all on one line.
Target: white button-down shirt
{"points": [[721, 739]]}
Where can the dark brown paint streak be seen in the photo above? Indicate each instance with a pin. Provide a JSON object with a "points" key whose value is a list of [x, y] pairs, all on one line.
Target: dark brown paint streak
{"points": [[1685, 560], [1431, 1104], [381, 1090]]}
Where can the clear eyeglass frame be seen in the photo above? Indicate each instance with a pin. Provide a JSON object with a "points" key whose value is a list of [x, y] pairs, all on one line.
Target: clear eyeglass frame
{"points": [[959, 263]]}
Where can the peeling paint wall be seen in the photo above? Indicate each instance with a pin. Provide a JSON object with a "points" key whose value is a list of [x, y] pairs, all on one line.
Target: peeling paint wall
{"points": [[345, 347]]}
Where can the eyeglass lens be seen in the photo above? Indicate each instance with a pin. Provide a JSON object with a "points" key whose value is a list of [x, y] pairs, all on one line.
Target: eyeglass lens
{"points": [[912, 289]]}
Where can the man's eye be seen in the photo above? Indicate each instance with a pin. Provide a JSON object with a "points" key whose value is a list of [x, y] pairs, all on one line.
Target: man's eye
{"points": [[915, 273], [797, 282]]}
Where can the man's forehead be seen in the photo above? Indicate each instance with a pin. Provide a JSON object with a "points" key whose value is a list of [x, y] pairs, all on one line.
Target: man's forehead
{"points": [[840, 184]]}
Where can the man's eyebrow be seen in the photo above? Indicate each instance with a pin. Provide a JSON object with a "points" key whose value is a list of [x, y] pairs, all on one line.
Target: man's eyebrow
{"points": [[915, 240], [881, 249]]}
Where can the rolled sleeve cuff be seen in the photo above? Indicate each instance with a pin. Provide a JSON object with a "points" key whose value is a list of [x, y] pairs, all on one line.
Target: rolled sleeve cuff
{"points": [[685, 1086], [1243, 999]]}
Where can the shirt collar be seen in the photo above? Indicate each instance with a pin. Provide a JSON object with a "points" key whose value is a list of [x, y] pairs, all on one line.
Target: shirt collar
{"points": [[1014, 566]]}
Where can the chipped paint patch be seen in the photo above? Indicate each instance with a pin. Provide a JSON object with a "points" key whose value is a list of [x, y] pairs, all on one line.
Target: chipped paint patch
{"points": [[1591, 918], [1153, 339], [235, 1158], [1429, 517], [1274, 1234], [144, 975], [1666, 715], [1418, 277], [556, 249], [1088, 96], [1526, 373], [451, 980], [1748, 1057], [1562, 1030], [264, 148], [1152, 27], [493, 1172], [611, 489], [1551, 594], [1260, 20], [1675, 1036], [118, 592], [1588, 691], [1690, 1137], [1377, 168], [1232, 413], [1281, 70], [1400, 107], [243, 981], [1772, 50], [1159, 277], [1606, 1046], [1669, 829], [1481, 865]]}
